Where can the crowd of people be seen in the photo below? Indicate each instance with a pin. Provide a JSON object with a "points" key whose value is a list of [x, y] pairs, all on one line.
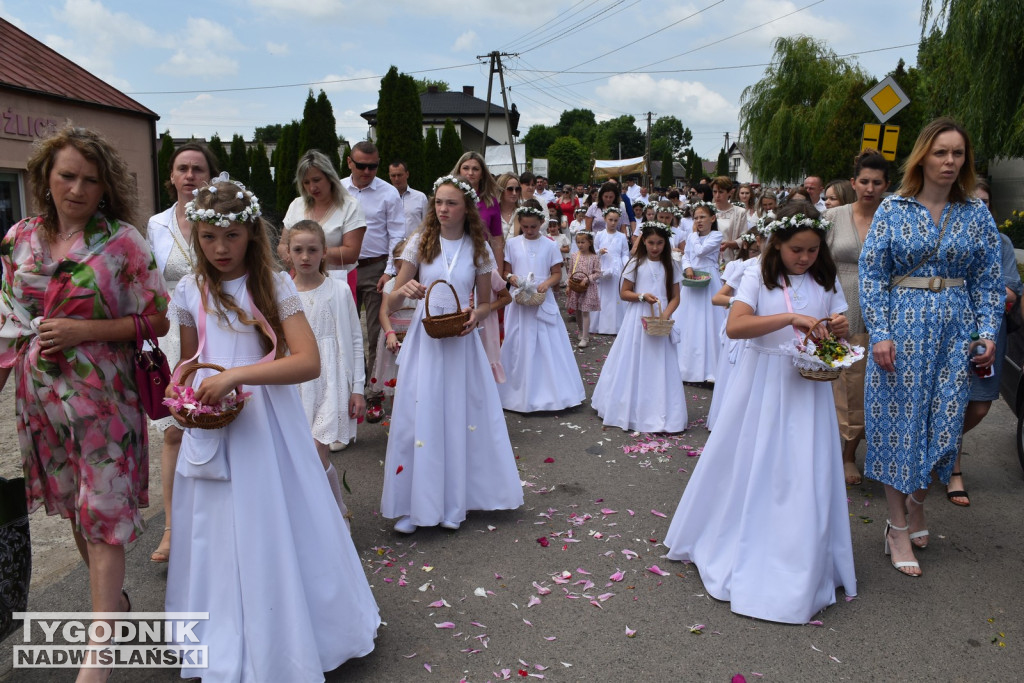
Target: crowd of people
{"points": [[462, 295]]}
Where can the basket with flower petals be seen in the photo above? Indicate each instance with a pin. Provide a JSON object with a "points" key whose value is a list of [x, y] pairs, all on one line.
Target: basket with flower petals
{"points": [[193, 414]]}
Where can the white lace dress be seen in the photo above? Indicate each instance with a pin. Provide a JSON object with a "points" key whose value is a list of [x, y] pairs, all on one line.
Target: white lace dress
{"points": [[332, 315]]}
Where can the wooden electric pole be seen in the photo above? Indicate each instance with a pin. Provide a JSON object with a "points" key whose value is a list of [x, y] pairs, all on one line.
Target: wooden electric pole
{"points": [[496, 67]]}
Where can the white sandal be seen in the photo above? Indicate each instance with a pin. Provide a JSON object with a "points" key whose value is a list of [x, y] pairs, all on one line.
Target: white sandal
{"points": [[898, 566]]}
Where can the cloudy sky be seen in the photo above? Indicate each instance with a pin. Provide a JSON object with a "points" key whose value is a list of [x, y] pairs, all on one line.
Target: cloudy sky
{"points": [[231, 65]]}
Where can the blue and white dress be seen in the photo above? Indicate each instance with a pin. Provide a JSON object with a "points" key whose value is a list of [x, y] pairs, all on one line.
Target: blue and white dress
{"points": [[914, 416]]}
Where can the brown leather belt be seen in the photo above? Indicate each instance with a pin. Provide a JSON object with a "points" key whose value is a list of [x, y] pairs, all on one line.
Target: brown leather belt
{"points": [[934, 284], [372, 259]]}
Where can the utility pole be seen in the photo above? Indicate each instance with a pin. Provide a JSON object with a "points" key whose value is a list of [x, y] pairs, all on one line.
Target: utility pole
{"points": [[647, 167], [496, 67]]}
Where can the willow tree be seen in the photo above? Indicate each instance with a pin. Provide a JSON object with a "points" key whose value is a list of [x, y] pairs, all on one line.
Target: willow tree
{"points": [[978, 76], [783, 115]]}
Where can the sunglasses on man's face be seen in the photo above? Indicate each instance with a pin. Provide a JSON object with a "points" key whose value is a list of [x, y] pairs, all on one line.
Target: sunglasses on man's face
{"points": [[364, 167]]}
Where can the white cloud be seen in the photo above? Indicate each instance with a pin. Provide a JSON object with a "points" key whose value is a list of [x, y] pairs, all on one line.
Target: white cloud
{"points": [[353, 80], [6, 14], [801, 23], [202, 51], [693, 102], [467, 41], [207, 113], [310, 8], [277, 49]]}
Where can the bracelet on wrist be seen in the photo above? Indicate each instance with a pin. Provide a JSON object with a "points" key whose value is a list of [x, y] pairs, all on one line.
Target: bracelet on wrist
{"points": [[390, 332]]}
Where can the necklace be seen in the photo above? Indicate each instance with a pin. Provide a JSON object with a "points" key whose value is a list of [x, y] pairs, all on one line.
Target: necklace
{"points": [[67, 236], [175, 233], [797, 286]]}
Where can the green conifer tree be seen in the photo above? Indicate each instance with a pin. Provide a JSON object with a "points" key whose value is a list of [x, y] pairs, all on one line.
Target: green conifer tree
{"points": [[219, 153], [451, 147], [431, 161], [238, 161], [164, 201]]}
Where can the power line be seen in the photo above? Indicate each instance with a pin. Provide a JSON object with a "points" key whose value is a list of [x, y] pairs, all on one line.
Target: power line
{"points": [[544, 28], [708, 68], [569, 30], [295, 85]]}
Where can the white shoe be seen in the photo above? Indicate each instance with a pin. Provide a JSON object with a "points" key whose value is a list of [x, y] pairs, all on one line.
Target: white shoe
{"points": [[582, 344], [450, 525], [338, 446], [405, 526]]}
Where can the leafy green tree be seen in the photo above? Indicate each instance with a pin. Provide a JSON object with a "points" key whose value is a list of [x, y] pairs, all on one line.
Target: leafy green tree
{"points": [[538, 139], [268, 134], [619, 134], [568, 160], [238, 161], [287, 160], [722, 167], [423, 83], [318, 128], [666, 177], [261, 183], [694, 165], [399, 124], [783, 114], [431, 161], [979, 73], [451, 147], [673, 132], [580, 124], [164, 201], [219, 153]]}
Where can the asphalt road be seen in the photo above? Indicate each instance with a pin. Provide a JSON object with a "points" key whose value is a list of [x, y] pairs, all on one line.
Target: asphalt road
{"points": [[598, 508]]}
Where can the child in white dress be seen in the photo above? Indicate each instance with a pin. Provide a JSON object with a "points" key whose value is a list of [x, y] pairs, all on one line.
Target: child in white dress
{"points": [[448, 450], [639, 387], [746, 262], [579, 224], [258, 542], [333, 401], [540, 367], [385, 370], [764, 515], [699, 321], [612, 247]]}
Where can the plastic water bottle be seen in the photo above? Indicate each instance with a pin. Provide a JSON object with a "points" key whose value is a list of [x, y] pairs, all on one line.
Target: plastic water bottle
{"points": [[977, 348]]}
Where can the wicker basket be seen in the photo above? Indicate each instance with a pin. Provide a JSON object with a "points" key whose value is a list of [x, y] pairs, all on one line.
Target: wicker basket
{"points": [[819, 375], [579, 284], [524, 298], [692, 282], [447, 324], [400, 321], [206, 420], [654, 325]]}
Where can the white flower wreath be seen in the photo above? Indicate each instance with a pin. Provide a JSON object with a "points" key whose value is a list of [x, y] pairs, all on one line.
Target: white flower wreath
{"points": [[223, 220], [466, 188]]}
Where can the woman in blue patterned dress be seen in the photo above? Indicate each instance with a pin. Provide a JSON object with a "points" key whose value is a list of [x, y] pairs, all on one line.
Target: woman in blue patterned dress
{"points": [[929, 277]]}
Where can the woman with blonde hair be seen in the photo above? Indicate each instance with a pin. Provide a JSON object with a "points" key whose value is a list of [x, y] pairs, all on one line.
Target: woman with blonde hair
{"points": [[929, 279]]}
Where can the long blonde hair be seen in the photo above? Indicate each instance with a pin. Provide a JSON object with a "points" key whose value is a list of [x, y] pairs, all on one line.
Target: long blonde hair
{"points": [[913, 174], [260, 265]]}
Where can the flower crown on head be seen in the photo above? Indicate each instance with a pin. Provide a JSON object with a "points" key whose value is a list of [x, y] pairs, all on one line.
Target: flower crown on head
{"points": [[703, 205], [747, 238], [671, 208], [223, 220], [585, 232], [770, 224], [531, 211], [611, 209], [466, 188], [660, 228], [579, 209]]}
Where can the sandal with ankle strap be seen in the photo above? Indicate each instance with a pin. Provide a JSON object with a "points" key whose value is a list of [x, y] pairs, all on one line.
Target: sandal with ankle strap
{"points": [[923, 533], [962, 493], [899, 566], [161, 556]]}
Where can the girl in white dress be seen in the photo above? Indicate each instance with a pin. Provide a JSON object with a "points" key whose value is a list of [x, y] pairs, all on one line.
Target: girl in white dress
{"points": [[764, 515], [333, 401], [732, 349], [613, 249], [699, 321], [578, 225], [258, 542], [639, 387], [540, 367], [448, 450]]}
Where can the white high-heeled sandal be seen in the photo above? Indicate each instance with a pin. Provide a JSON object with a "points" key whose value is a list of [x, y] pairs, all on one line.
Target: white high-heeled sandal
{"points": [[923, 533], [898, 566]]}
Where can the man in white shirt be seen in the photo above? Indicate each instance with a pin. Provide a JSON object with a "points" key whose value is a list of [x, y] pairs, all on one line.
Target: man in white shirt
{"points": [[414, 201], [814, 188], [544, 195], [385, 227], [632, 190]]}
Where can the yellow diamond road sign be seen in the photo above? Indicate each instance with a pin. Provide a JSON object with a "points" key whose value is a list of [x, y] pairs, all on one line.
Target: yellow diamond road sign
{"points": [[886, 99]]}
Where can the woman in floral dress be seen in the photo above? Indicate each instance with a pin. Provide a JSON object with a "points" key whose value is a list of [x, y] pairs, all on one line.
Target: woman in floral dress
{"points": [[72, 278]]}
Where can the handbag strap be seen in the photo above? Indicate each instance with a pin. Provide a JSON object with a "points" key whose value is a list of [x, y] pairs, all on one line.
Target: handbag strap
{"points": [[142, 337], [932, 252]]}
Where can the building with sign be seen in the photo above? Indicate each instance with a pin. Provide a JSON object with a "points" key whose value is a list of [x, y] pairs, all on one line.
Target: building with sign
{"points": [[40, 91]]}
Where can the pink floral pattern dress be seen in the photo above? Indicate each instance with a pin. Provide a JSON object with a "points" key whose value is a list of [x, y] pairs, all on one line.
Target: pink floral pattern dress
{"points": [[590, 265], [81, 427]]}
